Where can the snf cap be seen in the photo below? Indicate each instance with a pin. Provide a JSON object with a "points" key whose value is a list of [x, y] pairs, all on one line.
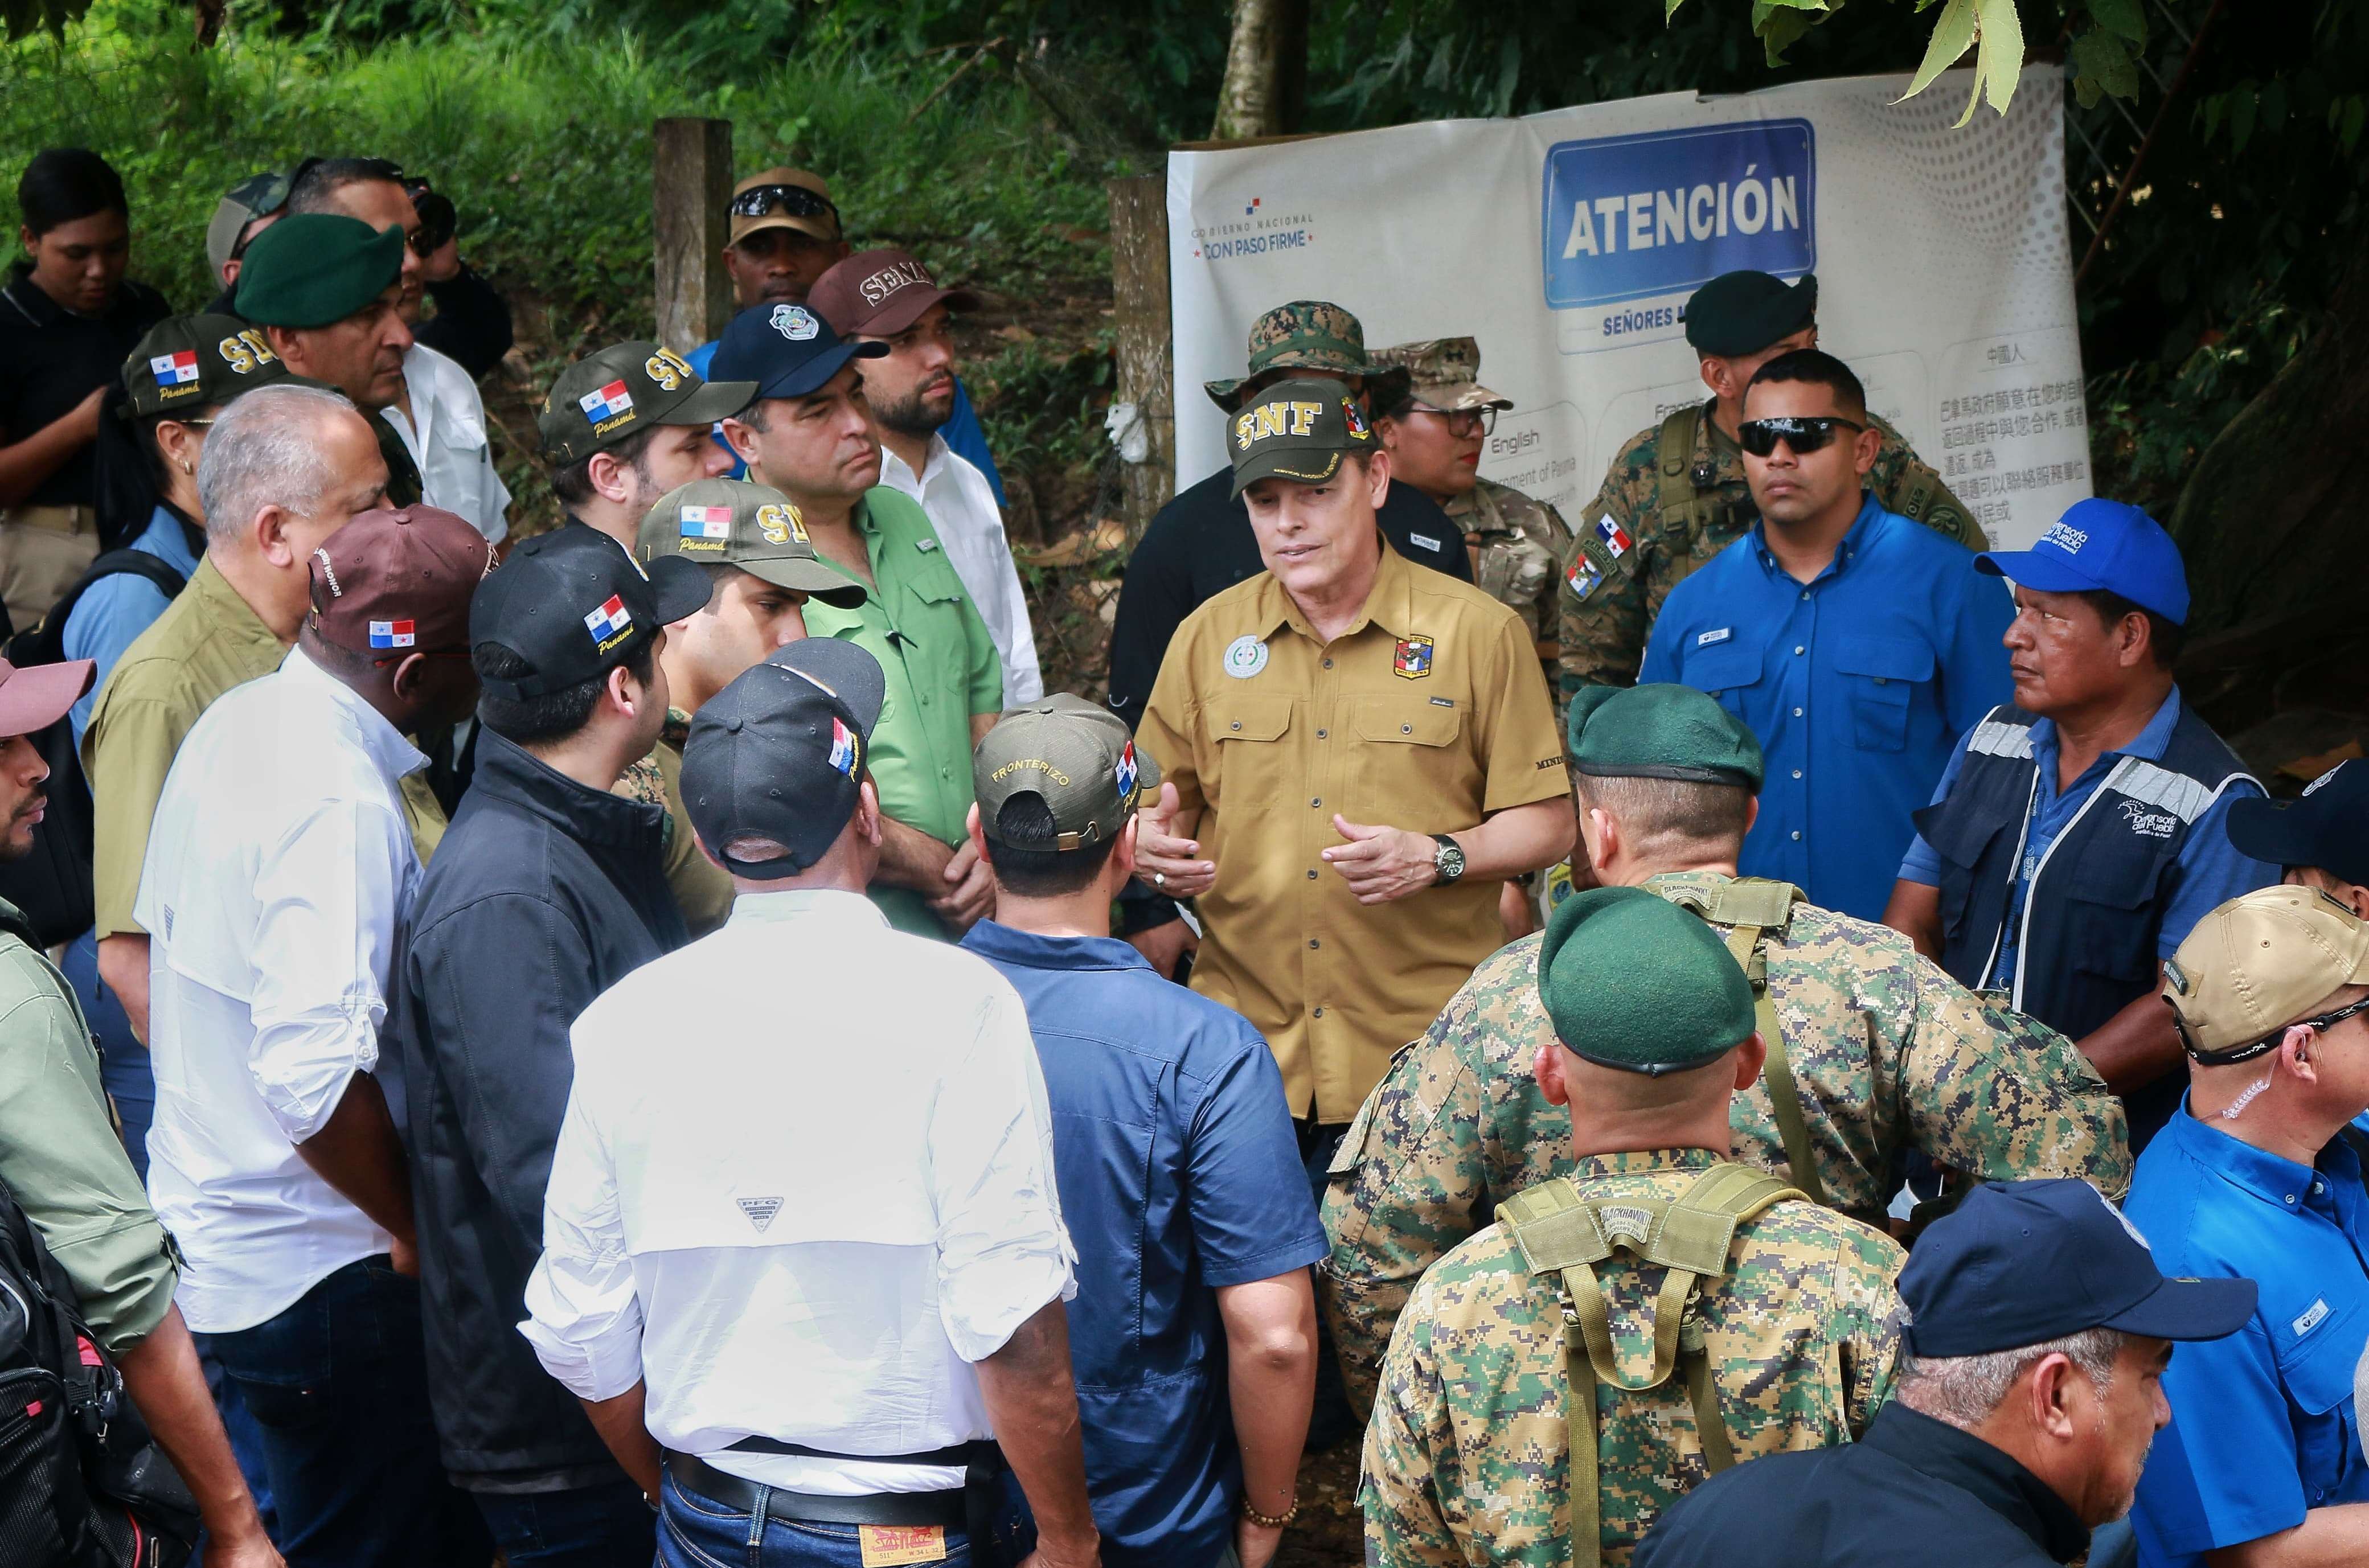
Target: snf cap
{"points": [[1077, 757], [1660, 731], [1743, 313], [191, 361], [1445, 372], [780, 753], [257, 196], [754, 527], [878, 293], [38, 695], [2018, 1263], [607, 397], [2259, 963], [572, 604], [1632, 981], [397, 581], [787, 350], [2100, 544], [313, 269], [2328, 827], [1296, 431]]}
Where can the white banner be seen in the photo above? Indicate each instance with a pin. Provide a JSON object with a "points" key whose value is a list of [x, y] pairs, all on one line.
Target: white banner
{"points": [[1568, 242]]}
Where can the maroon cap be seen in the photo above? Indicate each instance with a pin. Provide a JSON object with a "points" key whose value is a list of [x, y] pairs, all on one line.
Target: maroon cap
{"points": [[394, 581], [878, 293], [38, 695]]}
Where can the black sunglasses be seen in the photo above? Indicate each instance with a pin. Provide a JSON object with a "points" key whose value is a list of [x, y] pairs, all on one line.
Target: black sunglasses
{"points": [[1759, 436], [794, 200], [2320, 1024]]}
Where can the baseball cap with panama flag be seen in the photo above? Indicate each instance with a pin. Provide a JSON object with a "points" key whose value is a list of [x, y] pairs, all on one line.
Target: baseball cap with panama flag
{"points": [[780, 754], [395, 581], [1078, 756], [733, 522], [607, 396]]}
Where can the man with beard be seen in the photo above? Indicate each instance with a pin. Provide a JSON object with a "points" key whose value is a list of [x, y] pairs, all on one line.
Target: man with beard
{"points": [[885, 296]]}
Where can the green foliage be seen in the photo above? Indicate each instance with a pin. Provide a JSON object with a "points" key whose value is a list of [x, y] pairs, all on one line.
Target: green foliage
{"points": [[2151, 420]]}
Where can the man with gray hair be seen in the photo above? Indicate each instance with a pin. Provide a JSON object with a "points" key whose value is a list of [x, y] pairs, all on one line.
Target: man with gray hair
{"points": [[2030, 1389], [284, 467]]}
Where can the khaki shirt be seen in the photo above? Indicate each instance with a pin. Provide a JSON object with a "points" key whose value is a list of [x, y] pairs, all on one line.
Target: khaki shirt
{"points": [[1428, 714], [703, 889]]}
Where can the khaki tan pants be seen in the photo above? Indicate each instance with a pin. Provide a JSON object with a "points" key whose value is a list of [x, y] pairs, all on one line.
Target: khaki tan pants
{"points": [[42, 551]]}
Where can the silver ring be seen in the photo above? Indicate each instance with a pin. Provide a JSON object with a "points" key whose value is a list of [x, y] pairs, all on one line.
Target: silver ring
{"points": [[1160, 879]]}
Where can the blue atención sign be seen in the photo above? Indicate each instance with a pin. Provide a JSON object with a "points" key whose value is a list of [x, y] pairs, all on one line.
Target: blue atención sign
{"points": [[1629, 217]]}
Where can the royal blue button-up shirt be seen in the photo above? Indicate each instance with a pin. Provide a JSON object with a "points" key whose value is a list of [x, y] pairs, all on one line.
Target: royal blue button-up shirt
{"points": [[2263, 1424], [1180, 1173], [1858, 683]]}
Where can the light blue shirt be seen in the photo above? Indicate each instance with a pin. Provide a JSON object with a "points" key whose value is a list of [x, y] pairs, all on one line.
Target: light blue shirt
{"points": [[115, 610]]}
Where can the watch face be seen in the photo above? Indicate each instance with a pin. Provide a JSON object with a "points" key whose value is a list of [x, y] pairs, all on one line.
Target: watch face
{"points": [[1450, 860]]}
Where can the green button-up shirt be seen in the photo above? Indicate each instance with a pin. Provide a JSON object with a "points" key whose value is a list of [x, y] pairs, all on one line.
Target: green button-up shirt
{"points": [[942, 668]]}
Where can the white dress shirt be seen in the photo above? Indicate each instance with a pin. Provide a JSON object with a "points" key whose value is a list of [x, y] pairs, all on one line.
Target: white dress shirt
{"points": [[280, 871], [446, 437], [962, 508], [829, 1194]]}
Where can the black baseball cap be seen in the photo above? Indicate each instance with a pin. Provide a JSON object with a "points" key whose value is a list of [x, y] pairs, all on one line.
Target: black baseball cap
{"points": [[574, 605], [2327, 827], [606, 397], [788, 350], [780, 753], [2022, 1263]]}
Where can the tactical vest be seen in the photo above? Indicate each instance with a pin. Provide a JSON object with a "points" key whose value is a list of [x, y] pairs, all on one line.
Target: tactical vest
{"points": [[1562, 1236], [1752, 907], [2094, 910]]}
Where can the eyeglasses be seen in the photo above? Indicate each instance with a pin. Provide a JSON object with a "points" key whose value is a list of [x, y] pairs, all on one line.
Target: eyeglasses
{"points": [[794, 200], [1759, 436], [2320, 1024], [1461, 422]]}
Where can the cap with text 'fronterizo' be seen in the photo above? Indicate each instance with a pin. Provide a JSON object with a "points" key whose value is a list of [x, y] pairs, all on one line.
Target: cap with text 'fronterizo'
{"points": [[778, 756], [1297, 430], [571, 605], [1077, 757], [606, 397]]}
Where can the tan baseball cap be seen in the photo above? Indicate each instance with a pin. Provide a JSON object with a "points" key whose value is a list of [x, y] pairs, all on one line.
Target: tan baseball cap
{"points": [[2259, 963], [784, 198]]}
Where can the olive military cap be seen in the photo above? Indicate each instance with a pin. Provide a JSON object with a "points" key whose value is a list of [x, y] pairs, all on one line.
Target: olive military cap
{"points": [[1306, 335], [2259, 963], [192, 362], [731, 522], [616, 393], [1077, 757], [1297, 430], [1633, 981], [316, 268], [1743, 313], [1445, 372], [1660, 731]]}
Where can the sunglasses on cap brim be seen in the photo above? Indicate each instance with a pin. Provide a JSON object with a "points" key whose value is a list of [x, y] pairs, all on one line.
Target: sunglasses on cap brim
{"points": [[795, 200], [1759, 436]]}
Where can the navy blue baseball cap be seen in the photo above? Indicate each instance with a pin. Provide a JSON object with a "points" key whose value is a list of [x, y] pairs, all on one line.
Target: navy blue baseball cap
{"points": [[788, 350], [2101, 543], [2023, 1263], [2328, 827]]}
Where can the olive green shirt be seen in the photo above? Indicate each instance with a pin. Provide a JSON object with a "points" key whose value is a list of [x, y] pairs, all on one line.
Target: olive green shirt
{"points": [[61, 1155], [942, 668]]}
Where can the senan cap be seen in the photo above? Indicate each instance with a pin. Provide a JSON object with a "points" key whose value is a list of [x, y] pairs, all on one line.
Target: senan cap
{"points": [[1077, 757], [1297, 430], [779, 754], [572, 604]]}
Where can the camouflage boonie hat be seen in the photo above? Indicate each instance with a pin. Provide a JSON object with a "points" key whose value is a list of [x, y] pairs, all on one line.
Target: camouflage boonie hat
{"points": [[1445, 372], [1306, 335]]}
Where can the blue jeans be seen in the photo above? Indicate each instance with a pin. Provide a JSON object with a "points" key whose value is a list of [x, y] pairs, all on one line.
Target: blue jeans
{"points": [[338, 1385], [694, 1532], [588, 1526]]}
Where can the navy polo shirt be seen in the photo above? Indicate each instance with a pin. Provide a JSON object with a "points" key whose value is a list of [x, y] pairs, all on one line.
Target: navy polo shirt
{"points": [[1179, 1172], [1858, 684], [2263, 1423]]}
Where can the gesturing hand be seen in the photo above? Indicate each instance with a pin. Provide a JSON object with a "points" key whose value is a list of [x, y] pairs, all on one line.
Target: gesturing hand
{"points": [[1382, 863], [1163, 860]]}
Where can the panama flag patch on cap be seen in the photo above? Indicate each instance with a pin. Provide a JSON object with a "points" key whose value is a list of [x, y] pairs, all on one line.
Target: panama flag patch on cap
{"points": [[609, 620], [706, 522], [606, 404], [842, 747], [172, 370], [1124, 775], [392, 634]]}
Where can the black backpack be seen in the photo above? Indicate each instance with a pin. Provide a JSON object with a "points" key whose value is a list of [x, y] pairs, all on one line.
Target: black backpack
{"points": [[82, 1482], [52, 884]]}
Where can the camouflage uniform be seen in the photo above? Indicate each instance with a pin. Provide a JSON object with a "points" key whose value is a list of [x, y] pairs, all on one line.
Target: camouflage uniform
{"points": [[703, 890], [1602, 638], [1889, 1054], [1467, 1457]]}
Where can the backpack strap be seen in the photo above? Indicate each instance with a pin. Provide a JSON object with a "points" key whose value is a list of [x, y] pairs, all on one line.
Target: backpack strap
{"points": [[1675, 448], [44, 642]]}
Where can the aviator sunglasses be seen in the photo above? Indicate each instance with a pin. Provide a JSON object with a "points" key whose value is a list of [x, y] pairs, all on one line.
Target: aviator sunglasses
{"points": [[1759, 436]]}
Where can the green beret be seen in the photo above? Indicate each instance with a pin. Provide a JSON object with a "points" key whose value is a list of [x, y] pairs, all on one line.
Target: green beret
{"points": [[1743, 313], [316, 268], [1633, 981], [1660, 732]]}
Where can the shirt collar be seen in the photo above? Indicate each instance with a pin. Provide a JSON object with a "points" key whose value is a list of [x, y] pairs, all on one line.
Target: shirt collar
{"points": [[395, 756], [2148, 744], [1645, 1161], [218, 605], [1859, 535], [509, 771], [902, 475], [2274, 1179], [177, 541], [797, 903], [1010, 945], [28, 298], [1991, 1475], [1389, 602]]}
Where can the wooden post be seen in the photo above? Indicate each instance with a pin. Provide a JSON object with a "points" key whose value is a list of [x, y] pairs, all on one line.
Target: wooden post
{"points": [[1139, 231], [691, 188]]}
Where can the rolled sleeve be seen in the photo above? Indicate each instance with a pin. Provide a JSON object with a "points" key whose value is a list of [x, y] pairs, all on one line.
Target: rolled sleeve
{"points": [[2210, 871], [584, 1317], [1519, 746], [1002, 1250]]}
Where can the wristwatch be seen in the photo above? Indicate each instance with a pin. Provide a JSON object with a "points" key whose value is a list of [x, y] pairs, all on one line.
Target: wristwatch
{"points": [[1449, 861]]}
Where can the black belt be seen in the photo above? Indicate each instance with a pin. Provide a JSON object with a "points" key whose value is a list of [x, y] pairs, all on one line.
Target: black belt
{"points": [[973, 1507], [752, 1498]]}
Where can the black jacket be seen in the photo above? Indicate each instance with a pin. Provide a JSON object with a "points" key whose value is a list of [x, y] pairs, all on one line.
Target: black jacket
{"points": [[541, 895], [1915, 1492]]}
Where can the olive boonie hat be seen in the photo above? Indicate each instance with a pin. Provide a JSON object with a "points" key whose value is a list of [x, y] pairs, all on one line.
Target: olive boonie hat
{"points": [[1306, 335], [2259, 963], [605, 397], [191, 361], [1444, 372], [1296, 431], [1633, 981], [1660, 731], [732, 522], [311, 269], [1743, 313], [1076, 756]]}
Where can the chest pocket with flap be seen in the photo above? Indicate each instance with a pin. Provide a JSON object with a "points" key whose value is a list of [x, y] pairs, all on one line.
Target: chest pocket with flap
{"points": [[1882, 675], [1726, 670], [1409, 767], [1251, 746]]}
